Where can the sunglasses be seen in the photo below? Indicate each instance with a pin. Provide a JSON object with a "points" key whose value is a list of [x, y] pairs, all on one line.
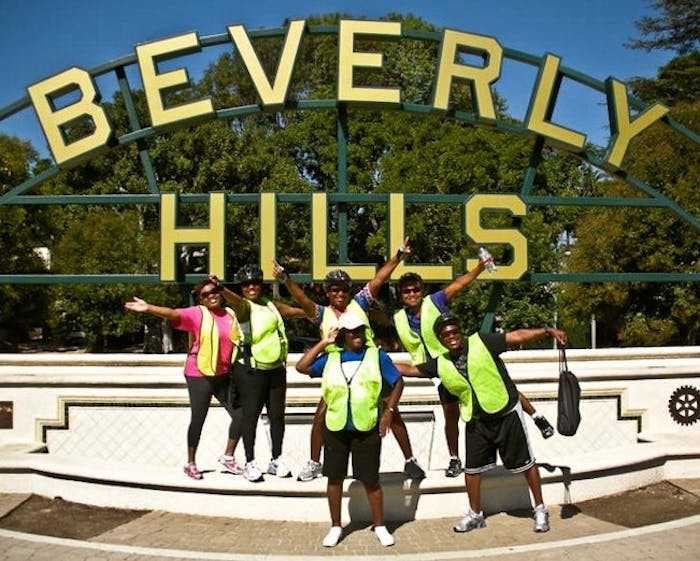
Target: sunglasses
{"points": [[411, 290], [206, 293]]}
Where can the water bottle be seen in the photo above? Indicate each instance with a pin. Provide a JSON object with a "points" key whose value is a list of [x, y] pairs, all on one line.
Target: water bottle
{"points": [[485, 256]]}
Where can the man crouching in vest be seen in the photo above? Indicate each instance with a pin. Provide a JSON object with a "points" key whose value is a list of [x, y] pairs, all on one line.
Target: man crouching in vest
{"points": [[351, 383], [472, 370]]}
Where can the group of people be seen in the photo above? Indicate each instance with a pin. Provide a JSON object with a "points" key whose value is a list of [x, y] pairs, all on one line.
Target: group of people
{"points": [[238, 350]]}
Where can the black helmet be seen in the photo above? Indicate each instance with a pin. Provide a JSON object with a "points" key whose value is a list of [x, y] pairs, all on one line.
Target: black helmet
{"points": [[410, 278], [337, 277], [250, 273], [445, 320]]}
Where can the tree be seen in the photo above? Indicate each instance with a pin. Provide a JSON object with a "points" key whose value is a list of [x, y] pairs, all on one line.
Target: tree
{"points": [[676, 28]]}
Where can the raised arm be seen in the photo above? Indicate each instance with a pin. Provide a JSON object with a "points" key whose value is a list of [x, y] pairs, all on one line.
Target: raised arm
{"points": [[385, 271], [306, 303], [289, 312], [239, 304], [142, 307], [307, 359], [463, 281], [523, 336]]}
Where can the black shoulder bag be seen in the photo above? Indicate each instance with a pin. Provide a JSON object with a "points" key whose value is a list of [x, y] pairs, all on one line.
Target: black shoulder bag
{"points": [[568, 399]]}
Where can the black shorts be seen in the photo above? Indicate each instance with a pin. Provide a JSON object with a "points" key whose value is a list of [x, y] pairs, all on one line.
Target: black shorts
{"points": [[506, 435], [365, 448], [445, 396]]}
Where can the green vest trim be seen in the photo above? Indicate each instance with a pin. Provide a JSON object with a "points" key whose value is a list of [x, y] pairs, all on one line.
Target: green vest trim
{"points": [[417, 345], [268, 343], [208, 354], [329, 320], [362, 394]]}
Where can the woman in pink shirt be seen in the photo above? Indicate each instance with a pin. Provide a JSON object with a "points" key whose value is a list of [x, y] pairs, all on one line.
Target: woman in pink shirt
{"points": [[214, 336]]}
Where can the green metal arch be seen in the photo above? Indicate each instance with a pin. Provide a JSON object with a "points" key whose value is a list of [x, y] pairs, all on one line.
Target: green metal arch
{"points": [[19, 195]]}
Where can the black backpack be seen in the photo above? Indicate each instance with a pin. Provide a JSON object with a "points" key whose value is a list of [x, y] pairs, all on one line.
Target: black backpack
{"points": [[568, 398]]}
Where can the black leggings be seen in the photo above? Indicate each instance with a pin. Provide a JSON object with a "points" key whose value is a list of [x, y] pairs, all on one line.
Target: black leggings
{"points": [[201, 391], [260, 388]]}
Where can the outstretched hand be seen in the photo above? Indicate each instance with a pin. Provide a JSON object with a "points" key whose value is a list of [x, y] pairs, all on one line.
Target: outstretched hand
{"points": [[137, 305], [406, 247]]}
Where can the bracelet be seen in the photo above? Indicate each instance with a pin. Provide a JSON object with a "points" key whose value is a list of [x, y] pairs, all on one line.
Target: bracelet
{"points": [[400, 252], [391, 409], [547, 330], [283, 277]]}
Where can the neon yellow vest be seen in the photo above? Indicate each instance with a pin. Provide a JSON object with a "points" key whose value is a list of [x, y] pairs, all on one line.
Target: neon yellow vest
{"points": [[417, 345], [329, 320], [362, 393], [485, 382], [268, 335], [208, 354]]}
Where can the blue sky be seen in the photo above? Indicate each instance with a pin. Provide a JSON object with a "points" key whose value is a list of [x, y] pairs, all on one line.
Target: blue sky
{"points": [[39, 38]]}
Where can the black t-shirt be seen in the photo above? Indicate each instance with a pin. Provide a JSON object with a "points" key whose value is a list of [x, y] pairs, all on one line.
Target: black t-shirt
{"points": [[496, 344]]}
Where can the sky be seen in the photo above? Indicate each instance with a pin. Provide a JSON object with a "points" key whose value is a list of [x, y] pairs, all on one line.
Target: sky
{"points": [[40, 38]]}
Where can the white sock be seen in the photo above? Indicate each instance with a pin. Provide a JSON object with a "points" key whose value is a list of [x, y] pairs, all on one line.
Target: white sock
{"points": [[383, 535]]}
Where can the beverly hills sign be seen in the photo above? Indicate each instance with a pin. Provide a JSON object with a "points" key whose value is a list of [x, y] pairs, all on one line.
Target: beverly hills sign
{"points": [[273, 95]]}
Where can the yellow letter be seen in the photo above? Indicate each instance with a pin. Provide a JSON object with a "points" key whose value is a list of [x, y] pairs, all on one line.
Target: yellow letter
{"points": [[171, 235], [348, 59], [319, 245], [396, 236], [480, 77], [268, 232], [155, 84], [271, 97], [622, 128], [54, 121], [542, 105], [515, 205]]}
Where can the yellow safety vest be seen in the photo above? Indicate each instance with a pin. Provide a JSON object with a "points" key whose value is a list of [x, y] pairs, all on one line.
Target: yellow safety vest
{"points": [[208, 354], [329, 320], [417, 345], [484, 383], [361, 394], [268, 336]]}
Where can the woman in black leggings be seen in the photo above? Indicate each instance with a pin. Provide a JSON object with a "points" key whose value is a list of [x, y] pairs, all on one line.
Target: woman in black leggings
{"points": [[215, 335], [262, 380]]}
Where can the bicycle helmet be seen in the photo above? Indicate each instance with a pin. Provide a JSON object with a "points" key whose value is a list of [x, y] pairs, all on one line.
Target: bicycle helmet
{"points": [[249, 273], [443, 321], [337, 277]]}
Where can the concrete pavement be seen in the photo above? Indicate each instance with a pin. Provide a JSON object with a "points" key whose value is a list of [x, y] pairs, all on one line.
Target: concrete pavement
{"points": [[575, 536]]}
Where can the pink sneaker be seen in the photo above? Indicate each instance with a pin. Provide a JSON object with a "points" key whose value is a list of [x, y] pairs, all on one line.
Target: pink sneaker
{"points": [[192, 471], [230, 464]]}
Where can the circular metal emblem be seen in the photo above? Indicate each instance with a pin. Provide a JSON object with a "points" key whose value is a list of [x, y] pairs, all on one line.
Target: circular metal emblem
{"points": [[684, 405]]}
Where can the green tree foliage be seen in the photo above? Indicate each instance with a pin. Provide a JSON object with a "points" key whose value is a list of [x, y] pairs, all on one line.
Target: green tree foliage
{"points": [[644, 240], [25, 229], [677, 27]]}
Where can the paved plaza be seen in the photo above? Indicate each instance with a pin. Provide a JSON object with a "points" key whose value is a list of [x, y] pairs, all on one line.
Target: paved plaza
{"points": [[575, 535]]}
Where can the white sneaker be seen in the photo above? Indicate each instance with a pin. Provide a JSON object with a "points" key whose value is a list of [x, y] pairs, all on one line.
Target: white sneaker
{"points": [[310, 471], [279, 468], [472, 521], [383, 535], [333, 536], [541, 516], [252, 473]]}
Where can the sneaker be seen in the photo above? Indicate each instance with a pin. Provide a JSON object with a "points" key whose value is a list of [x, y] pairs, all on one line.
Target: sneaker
{"points": [[412, 470], [333, 536], [472, 521], [192, 471], [546, 429], [541, 516], [310, 471], [279, 468], [383, 535], [229, 464], [455, 468], [252, 473]]}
